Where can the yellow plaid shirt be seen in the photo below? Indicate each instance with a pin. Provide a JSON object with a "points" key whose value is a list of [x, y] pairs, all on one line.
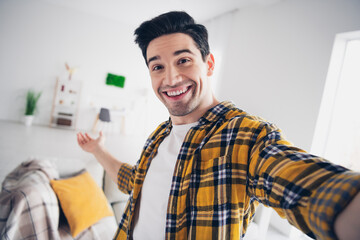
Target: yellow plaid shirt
{"points": [[227, 164]]}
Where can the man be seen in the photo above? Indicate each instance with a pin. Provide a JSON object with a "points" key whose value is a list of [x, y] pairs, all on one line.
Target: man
{"points": [[203, 172]]}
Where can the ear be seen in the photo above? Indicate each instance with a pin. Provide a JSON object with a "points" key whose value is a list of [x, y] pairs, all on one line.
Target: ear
{"points": [[210, 61]]}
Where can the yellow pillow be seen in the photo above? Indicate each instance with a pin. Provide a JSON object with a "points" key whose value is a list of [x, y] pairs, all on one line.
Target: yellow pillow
{"points": [[82, 200]]}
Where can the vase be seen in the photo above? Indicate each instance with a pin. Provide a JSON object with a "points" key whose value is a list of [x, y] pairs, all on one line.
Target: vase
{"points": [[28, 120]]}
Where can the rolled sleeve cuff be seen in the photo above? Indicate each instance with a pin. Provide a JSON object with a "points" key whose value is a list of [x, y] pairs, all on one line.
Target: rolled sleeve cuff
{"points": [[125, 178], [329, 200]]}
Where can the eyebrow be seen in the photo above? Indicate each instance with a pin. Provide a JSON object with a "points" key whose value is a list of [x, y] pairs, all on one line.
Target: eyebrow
{"points": [[182, 51], [176, 53], [153, 59]]}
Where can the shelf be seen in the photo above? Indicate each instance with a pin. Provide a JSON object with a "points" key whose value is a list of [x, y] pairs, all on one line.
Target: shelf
{"points": [[65, 105]]}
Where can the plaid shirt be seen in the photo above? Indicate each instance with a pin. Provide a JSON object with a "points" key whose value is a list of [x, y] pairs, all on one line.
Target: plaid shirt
{"points": [[230, 162]]}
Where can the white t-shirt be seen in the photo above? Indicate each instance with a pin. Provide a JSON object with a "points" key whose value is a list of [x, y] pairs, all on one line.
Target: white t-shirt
{"points": [[151, 218]]}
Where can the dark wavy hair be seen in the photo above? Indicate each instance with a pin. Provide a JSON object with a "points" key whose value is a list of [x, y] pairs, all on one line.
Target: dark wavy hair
{"points": [[172, 22]]}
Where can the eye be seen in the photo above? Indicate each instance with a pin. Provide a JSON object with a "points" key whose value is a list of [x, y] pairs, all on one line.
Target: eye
{"points": [[183, 60], [156, 68]]}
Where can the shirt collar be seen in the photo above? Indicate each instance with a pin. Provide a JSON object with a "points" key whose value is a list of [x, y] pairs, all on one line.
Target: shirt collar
{"points": [[214, 113]]}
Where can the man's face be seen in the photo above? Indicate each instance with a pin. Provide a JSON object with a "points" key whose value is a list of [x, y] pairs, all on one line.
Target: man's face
{"points": [[178, 73]]}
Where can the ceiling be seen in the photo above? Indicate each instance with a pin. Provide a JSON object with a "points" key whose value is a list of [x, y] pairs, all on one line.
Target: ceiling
{"points": [[133, 12]]}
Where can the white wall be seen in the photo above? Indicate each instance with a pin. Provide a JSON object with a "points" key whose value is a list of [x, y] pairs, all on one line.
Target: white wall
{"points": [[37, 38], [277, 60]]}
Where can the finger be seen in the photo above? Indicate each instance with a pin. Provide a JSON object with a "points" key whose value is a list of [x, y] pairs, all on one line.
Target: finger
{"points": [[88, 138], [78, 138], [82, 138]]}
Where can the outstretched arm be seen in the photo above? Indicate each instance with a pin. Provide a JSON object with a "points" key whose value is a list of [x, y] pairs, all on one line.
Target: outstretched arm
{"points": [[316, 196], [96, 147], [347, 224]]}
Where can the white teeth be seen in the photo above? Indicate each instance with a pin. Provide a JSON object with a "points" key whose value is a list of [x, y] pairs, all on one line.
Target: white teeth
{"points": [[176, 93]]}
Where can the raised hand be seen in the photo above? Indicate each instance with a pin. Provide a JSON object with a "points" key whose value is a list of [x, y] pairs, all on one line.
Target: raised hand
{"points": [[89, 144]]}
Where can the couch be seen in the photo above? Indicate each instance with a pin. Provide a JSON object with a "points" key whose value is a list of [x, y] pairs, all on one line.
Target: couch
{"points": [[32, 205]]}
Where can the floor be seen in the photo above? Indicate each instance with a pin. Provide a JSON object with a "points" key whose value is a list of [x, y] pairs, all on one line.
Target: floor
{"points": [[19, 142]]}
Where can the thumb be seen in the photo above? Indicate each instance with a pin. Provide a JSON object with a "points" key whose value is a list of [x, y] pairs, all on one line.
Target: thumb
{"points": [[101, 135], [101, 138]]}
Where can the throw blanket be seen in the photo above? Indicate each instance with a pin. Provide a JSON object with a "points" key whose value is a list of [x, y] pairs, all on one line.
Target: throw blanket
{"points": [[28, 206]]}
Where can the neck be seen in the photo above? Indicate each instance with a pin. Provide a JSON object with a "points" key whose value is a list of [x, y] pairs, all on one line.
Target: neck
{"points": [[196, 114]]}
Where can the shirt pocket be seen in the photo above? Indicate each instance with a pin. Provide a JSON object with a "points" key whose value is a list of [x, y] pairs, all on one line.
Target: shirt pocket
{"points": [[211, 183]]}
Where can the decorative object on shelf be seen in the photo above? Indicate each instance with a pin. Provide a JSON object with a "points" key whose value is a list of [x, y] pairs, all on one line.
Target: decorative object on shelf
{"points": [[32, 98], [66, 101], [115, 80], [70, 70]]}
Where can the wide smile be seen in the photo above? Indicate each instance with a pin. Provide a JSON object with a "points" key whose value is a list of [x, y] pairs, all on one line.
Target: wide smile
{"points": [[178, 93]]}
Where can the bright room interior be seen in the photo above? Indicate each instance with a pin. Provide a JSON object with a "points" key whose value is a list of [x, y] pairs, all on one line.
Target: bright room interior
{"points": [[272, 60]]}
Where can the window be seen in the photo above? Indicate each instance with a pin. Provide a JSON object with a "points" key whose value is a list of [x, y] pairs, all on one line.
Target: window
{"points": [[337, 133]]}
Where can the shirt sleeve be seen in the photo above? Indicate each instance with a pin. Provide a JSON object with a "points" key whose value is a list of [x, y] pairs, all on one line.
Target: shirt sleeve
{"points": [[126, 178], [306, 189]]}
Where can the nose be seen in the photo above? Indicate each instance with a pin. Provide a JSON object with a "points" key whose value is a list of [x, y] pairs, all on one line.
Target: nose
{"points": [[172, 76]]}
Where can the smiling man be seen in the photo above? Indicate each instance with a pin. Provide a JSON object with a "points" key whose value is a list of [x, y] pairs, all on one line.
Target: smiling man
{"points": [[203, 172]]}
